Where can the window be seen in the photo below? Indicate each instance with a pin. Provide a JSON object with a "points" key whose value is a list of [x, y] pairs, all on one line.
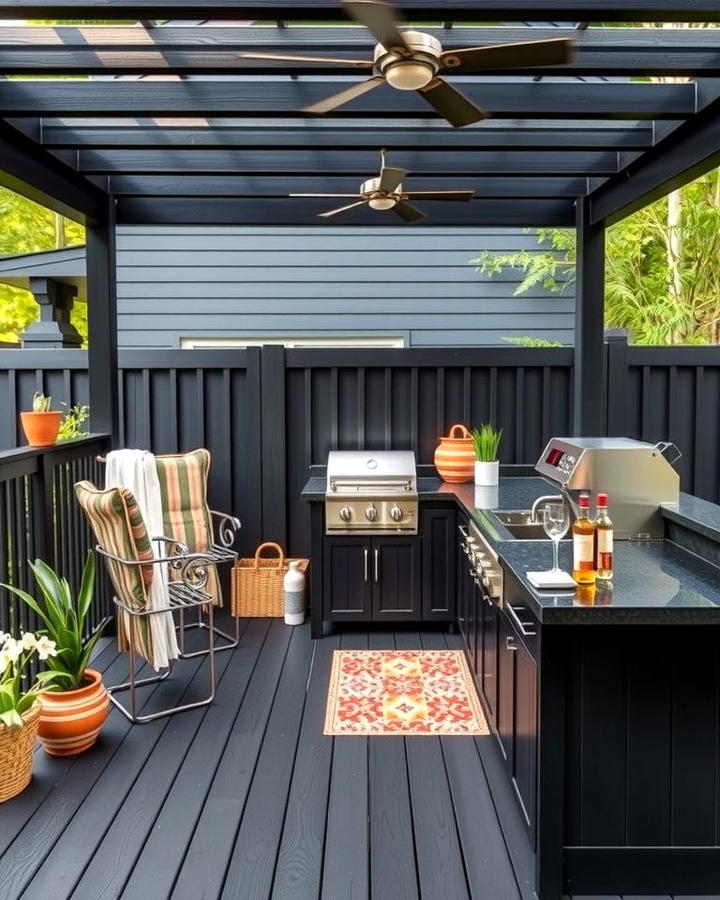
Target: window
{"points": [[204, 343]]}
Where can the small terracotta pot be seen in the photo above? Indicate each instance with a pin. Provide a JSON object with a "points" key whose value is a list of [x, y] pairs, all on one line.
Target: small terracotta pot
{"points": [[70, 721], [41, 428], [455, 456]]}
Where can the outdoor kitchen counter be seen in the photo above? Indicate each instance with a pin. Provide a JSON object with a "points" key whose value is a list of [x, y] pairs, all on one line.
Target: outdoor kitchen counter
{"points": [[655, 582]]}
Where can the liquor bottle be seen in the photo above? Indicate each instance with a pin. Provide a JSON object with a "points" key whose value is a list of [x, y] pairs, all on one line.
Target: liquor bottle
{"points": [[583, 532], [604, 540]]}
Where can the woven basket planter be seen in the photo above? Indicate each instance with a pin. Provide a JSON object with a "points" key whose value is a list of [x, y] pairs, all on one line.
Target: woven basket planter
{"points": [[256, 585], [16, 754]]}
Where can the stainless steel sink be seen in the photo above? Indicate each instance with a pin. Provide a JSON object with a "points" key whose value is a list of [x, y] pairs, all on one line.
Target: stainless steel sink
{"points": [[518, 523]]}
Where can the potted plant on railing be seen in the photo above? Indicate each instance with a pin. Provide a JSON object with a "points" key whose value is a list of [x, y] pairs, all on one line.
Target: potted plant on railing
{"points": [[74, 701], [41, 425], [486, 441], [19, 708]]}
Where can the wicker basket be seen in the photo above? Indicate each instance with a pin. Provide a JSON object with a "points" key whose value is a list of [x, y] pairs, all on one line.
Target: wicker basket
{"points": [[256, 584], [16, 754]]}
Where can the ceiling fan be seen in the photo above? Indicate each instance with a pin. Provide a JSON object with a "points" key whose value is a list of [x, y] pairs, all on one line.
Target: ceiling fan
{"points": [[411, 60], [385, 192]]}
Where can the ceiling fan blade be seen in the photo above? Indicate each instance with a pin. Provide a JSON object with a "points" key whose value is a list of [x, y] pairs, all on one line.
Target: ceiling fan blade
{"points": [[320, 60], [526, 55], [380, 20], [458, 109], [334, 212], [439, 195], [336, 196], [407, 212], [357, 90], [390, 179]]}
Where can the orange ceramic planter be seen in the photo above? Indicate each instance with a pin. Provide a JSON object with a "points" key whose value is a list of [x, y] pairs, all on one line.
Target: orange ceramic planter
{"points": [[70, 721], [41, 428], [455, 456]]}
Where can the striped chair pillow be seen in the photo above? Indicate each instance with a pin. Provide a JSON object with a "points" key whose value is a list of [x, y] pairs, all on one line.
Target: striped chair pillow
{"points": [[119, 528], [186, 516]]}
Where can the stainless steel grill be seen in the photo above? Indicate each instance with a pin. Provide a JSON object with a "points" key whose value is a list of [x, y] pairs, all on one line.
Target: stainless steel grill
{"points": [[371, 492]]}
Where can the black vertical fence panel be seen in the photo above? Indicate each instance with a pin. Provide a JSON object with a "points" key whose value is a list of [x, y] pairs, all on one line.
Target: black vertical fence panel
{"points": [[267, 414]]}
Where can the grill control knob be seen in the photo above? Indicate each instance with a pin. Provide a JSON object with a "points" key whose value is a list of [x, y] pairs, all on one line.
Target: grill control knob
{"points": [[396, 513], [345, 513], [371, 513]]}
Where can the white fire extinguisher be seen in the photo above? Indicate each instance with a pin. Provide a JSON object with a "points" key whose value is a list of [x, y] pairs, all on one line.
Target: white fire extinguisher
{"points": [[294, 594]]}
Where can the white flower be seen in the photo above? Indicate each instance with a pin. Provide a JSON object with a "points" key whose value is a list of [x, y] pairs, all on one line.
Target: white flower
{"points": [[4, 660], [3, 637], [45, 647], [12, 649], [29, 641]]}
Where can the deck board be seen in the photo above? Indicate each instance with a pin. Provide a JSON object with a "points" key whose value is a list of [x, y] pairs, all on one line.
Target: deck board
{"points": [[248, 799]]}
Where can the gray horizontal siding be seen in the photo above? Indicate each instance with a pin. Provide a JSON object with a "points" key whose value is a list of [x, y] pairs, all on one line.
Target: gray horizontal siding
{"points": [[176, 283]]}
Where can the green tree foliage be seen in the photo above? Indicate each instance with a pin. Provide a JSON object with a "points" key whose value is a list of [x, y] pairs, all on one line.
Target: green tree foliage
{"points": [[26, 227], [662, 273]]}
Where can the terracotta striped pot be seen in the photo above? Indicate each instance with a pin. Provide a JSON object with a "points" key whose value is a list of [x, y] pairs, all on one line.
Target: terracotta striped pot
{"points": [[455, 456], [70, 721]]}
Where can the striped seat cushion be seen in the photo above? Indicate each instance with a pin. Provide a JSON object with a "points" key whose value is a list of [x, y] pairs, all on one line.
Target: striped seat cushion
{"points": [[119, 529], [186, 516]]}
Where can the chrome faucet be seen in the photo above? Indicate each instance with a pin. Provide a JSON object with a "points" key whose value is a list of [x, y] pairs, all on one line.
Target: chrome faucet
{"points": [[541, 501]]}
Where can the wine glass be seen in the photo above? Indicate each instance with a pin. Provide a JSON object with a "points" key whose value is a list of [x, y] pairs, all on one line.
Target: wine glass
{"points": [[556, 521]]}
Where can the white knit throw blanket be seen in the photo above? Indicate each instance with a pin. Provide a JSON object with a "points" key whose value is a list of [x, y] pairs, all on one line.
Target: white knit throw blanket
{"points": [[135, 470]]}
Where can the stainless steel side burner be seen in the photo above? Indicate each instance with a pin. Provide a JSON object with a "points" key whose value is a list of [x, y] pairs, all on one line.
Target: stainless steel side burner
{"points": [[371, 492]]}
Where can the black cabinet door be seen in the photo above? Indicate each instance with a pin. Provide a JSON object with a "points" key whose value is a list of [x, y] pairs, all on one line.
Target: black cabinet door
{"points": [[488, 657], [461, 584], [525, 733], [437, 527], [396, 572], [505, 713], [347, 579]]}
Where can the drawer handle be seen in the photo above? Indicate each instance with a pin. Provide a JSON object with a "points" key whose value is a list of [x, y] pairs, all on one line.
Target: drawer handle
{"points": [[523, 627], [365, 553], [377, 560]]}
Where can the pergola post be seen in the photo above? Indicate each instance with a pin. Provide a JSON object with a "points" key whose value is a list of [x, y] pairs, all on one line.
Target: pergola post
{"points": [[588, 407], [102, 323]]}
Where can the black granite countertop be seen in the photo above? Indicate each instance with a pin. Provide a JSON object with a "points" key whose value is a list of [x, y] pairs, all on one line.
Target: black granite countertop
{"points": [[655, 582]]}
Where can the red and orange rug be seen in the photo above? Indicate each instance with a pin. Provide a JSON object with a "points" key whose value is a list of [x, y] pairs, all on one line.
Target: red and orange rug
{"points": [[376, 692]]}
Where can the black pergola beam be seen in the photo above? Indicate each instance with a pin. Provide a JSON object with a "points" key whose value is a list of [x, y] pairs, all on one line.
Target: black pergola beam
{"points": [[688, 152], [538, 100], [282, 185], [90, 50], [350, 162], [29, 170], [299, 211], [588, 369], [415, 10], [327, 135]]}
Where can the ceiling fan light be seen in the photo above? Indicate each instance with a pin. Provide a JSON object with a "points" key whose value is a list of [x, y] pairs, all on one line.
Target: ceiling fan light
{"points": [[409, 75], [382, 202]]}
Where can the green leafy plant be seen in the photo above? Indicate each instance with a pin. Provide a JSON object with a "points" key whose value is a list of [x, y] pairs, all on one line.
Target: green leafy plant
{"points": [[73, 421], [41, 403], [15, 657], [486, 441], [64, 619], [527, 341]]}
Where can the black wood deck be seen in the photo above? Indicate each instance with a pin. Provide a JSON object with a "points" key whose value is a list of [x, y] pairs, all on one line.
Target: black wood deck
{"points": [[248, 799]]}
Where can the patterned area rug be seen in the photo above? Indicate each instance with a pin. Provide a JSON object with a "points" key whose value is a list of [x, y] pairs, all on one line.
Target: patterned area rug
{"points": [[375, 692]]}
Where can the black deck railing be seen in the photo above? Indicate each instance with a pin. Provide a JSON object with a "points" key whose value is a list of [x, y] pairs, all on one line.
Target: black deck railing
{"points": [[39, 518]]}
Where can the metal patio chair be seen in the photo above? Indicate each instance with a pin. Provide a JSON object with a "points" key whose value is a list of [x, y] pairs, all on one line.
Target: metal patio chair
{"points": [[124, 544], [188, 519]]}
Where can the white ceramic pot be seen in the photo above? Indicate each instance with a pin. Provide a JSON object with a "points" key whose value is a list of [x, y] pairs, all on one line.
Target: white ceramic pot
{"points": [[487, 473], [487, 496]]}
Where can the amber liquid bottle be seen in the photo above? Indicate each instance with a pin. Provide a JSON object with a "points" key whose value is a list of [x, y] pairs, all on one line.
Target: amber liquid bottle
{"points": [[583, 532], [604, 540]]}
